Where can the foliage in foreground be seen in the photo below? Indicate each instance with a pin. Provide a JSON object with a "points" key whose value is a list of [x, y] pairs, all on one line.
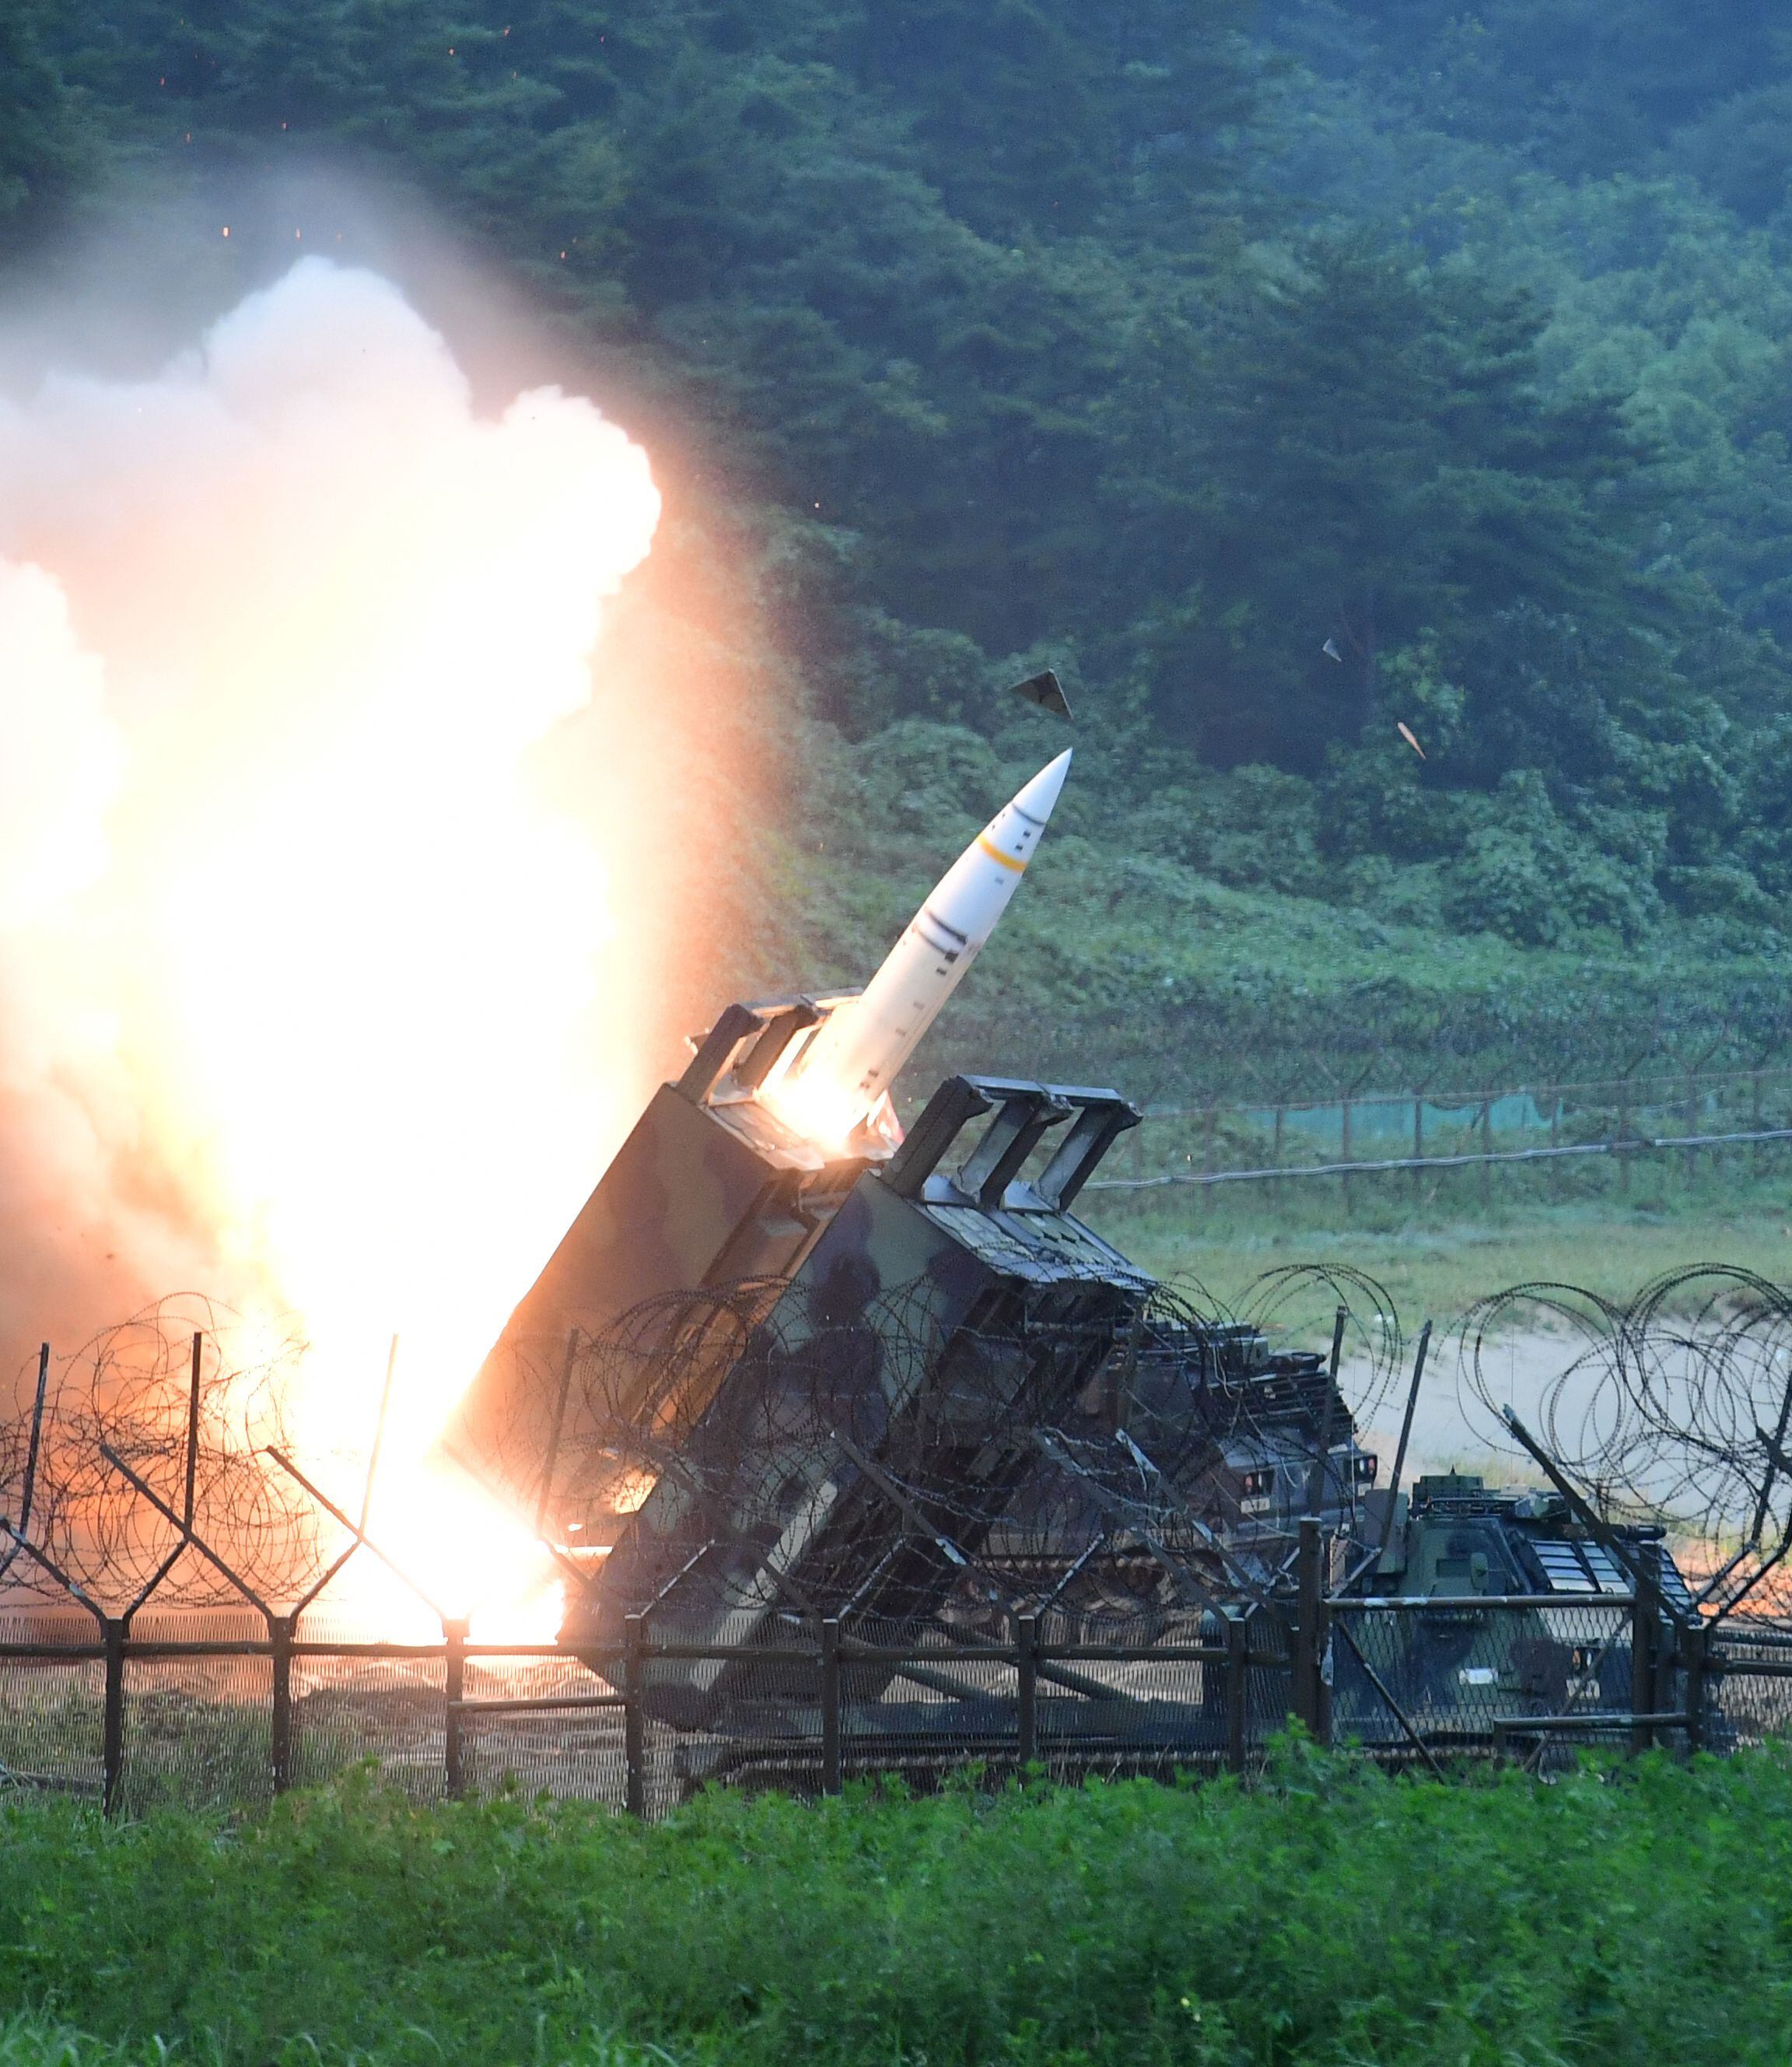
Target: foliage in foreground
{"points": [[1331, 1914]]}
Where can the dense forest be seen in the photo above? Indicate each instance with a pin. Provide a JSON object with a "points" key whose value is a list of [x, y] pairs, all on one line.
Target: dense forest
{"points": [[1283, 375]]}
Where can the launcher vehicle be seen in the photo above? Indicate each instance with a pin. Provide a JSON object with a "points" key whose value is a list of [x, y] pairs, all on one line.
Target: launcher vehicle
{"points": [[786, 1363], [953, 1402]]}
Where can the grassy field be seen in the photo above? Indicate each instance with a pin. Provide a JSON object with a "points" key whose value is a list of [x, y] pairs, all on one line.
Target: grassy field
{"points": [[1441, 1260], [1330, 1914]]}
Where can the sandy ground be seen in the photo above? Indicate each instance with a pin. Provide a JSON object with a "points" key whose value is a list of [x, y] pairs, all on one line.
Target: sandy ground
{"points": [[1451, 1427], [1525, 1369]]}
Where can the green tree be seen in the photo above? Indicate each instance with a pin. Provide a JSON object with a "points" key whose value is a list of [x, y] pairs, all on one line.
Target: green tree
{"points": [[1386, 462], [47, 148]]}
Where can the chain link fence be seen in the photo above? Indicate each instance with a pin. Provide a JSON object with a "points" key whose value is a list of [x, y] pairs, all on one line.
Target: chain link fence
{"points": [[1433, 1683], [170, 1630], [1587, 1134]]}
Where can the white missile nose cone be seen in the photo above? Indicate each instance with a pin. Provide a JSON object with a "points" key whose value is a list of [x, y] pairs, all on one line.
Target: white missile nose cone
{"points": [[1037, 799]]}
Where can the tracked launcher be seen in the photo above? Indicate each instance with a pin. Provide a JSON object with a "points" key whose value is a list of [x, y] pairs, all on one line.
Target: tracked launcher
{"points": [[789, 1367], [878, 1420]]}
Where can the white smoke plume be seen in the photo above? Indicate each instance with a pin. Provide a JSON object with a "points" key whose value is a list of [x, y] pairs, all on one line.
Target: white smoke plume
{"points": [[300, 967]]}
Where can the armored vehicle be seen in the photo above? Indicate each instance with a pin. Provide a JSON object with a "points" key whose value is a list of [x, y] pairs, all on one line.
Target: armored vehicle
{"points": [[1453, 1664]]}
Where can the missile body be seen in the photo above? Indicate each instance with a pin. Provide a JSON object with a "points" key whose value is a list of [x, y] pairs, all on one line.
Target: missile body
{"points": [[838, 1080]]}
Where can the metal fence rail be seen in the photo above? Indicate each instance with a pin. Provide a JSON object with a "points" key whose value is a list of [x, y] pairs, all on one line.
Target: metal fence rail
{"points": [[203, 1721], [174, 1639]]}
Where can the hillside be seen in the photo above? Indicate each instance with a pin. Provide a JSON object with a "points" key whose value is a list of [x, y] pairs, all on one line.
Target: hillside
{"points": [[1167, 345]]}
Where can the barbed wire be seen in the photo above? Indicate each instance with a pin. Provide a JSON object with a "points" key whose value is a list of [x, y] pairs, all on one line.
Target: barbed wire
{"points": [[186, 1397], [1671, 1408], [877, 1453], [882, 1452]]}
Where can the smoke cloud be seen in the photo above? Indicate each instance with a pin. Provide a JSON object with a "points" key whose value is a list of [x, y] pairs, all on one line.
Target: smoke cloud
{"points": [[301, 970]]}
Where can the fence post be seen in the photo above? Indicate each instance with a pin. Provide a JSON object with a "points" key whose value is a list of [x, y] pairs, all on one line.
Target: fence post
{"points": [[1644, 1632], [1026, 1669], [1418, 1141], [1237, 1634], [1755, 1121], [1322, 1668], [454, 1688], [634, 1748], [112, 1634], [1310, 1581], [1555, 1141], [1623, 1136], [1692, 1127], [1667, 1657], [1487, 1149], [1695, 1638], [280, 1714], [830, 1704], [1344, 1154]]}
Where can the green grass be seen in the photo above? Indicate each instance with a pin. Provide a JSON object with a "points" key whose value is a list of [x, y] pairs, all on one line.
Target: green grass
{"points": [[1439, 1261], [1331, 1914], [32, 2041], [182, 1749]]}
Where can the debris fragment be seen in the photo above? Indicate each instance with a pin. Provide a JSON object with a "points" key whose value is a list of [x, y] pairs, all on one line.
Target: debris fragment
{"points": [[1045, 690]]}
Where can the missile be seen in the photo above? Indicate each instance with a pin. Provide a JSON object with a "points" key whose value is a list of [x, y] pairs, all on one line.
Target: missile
{"points": [[838, 1081]]}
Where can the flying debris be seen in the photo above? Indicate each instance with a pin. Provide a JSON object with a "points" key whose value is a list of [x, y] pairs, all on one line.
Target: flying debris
{"points": [[1330, 650], [837, 1081], [1045, 690], [1400, 727]]}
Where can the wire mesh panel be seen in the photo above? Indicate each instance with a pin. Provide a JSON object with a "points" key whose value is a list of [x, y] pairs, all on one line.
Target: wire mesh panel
{"points": [[897, 1701], [1269, 1680], [196, 1732], [575, 1753], [1450, 1670], [1129, 1712], [1748, 1686], [387, 1713], [52, 1725], [951, 1702], [750, 1716]]}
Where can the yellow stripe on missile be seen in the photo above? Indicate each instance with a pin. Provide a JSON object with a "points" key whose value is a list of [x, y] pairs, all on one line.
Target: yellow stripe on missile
{"points": [[995, 854]]}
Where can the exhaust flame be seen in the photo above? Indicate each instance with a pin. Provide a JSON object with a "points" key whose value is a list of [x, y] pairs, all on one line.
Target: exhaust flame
{"points": [[298, 968], [830, 1116]]}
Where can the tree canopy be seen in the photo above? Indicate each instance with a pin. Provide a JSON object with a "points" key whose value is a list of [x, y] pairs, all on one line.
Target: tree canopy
{"points": [[1280, 373]]}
